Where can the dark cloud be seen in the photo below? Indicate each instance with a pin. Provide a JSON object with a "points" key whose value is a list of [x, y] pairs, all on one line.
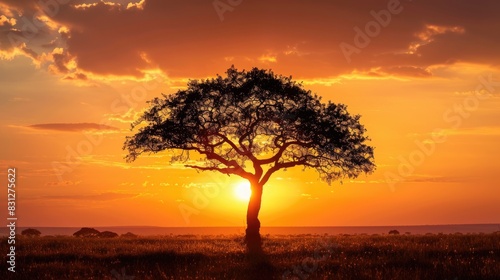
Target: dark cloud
{"points": [[60, 62], [188, 39], [76, 76], [72, 127]]}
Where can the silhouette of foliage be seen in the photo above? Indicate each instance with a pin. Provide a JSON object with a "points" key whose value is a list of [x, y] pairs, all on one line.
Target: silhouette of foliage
{"points": [[31, 232], [253, 124], [235, 119], [107, 234], [86, 232], [129, 235]]}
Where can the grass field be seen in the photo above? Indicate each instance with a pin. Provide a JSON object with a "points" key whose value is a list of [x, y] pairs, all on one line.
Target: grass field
{"points": [[285, 257]]}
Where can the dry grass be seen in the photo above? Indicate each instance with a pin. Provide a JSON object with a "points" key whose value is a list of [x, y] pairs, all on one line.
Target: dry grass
{"points": [[285, 257]]}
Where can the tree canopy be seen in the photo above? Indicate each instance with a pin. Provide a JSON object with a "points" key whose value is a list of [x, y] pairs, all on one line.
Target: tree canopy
{"points": [[252, 124], [86, 232], [31, 232]]}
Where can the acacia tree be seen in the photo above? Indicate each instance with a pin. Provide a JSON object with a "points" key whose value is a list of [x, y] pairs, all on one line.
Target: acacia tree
{"points": [[252, 124], [31, 232]]}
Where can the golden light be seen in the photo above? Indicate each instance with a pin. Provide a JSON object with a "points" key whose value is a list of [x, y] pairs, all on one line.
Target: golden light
{"points": [[242, 191]]}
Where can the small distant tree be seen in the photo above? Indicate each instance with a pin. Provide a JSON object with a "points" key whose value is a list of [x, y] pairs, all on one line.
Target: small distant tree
{"points": [[86, 232], [394, 232], [107, 234], [129, 235], [253, 124], [31, 232]]}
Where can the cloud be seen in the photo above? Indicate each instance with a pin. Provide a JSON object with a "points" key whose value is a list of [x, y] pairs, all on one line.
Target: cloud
{"points": [[465, 131], [474, 131], [76, 76], [92, 197], [409, 71], [186, 39], [72, 127], [7, 21], [367, 182], [118, 162], [199, 185], [432, 179], [137, 5], [308, 196], [128, 117], [62, 183]]}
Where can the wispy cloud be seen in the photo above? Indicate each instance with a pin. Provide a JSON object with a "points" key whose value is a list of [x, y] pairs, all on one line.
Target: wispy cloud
{"points": [[62, 183], [73, 127], [308, 196], [433, 179], [92, 197], [120, 163], [474, 131]]}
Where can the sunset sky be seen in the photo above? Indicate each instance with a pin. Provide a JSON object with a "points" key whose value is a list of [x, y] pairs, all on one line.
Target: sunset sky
{"points": [[424, 76]]}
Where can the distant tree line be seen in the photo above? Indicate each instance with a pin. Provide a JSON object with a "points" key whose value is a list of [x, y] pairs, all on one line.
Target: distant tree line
{"points": [[83, 232]]}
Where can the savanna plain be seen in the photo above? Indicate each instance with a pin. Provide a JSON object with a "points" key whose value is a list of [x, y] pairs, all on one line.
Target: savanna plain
{"points": [[306, 256]]}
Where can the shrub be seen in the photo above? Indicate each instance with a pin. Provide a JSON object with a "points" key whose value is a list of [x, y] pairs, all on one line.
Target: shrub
{"points": [[86, 232], [395, 232], [31, 232], [107, 234], [129, 235]]}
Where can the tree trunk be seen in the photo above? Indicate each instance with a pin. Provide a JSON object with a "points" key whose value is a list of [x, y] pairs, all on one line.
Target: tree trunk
{"points": [[253, 224]]}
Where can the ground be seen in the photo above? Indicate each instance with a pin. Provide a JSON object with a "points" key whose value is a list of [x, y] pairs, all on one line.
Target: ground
{"points": [[457, 256]]}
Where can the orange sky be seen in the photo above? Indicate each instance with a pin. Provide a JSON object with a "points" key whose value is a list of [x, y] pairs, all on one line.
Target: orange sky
{"points": [[425, 77]]}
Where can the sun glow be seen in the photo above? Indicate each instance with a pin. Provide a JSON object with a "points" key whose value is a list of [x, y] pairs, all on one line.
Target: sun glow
{"points": [[242, 191]]}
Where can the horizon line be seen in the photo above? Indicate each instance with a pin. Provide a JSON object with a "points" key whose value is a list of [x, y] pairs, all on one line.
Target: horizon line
{"points": [[303, 226]]}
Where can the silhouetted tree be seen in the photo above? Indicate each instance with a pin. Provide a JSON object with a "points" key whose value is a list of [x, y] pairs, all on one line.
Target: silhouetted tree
{"points": [[86, 232], [253, 124], [107, 234], [129, 235], [31, 232]]}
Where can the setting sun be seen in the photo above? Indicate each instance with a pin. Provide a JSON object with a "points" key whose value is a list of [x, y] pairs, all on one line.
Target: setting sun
{"points": [[242, 190]]}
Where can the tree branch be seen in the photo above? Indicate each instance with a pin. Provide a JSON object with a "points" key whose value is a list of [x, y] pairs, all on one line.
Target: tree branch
{"points": [[211, 155], [277, 166], [282, 149], [246, 134], [256, 164], [229, 170], [238, 150]]}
